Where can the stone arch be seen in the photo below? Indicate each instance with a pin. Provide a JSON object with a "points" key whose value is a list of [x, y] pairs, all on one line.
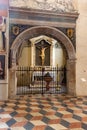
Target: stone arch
{"points": [[58, 35], [42, 30]]}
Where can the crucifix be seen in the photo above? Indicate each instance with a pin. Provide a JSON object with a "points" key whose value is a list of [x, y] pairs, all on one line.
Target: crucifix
{"points": [[42, 55], [42, 50], [42, 47]]}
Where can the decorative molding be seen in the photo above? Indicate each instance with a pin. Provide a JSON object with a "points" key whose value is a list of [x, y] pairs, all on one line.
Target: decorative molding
{"points": [[51, 5]]}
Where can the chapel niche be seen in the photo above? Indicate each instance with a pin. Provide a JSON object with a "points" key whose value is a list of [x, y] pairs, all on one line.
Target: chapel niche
{"points": [[42, 56]]}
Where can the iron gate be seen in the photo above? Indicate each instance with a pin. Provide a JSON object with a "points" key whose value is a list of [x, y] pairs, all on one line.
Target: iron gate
{"points": [[40, 80]]}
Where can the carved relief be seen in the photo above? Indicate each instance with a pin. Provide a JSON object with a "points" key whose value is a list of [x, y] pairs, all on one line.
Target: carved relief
{"points": [[52, 5], [2, 33]]}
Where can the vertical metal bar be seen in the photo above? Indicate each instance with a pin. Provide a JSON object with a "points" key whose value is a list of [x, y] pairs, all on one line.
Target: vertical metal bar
{"points": [[25, 79], [16, 86], [54, 87], [22, 70], [57, 78], [54, 83], [19, 79], [29, 77], [32, 71], [42, 79], [31, 74]]}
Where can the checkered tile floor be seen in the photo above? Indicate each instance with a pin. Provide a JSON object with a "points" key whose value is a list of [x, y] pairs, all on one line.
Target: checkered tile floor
{"points": [[44, 112]]}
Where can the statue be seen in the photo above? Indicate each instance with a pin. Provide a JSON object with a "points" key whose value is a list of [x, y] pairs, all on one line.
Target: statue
{"points": [[1, 41], [2, 34], [43, 54]]}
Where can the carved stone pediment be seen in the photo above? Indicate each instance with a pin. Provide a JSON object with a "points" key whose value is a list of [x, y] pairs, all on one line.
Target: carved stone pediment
{"points": [[51, 5]]}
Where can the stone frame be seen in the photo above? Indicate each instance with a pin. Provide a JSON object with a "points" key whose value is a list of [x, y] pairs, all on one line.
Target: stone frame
{"points": [[53, 32], [56, 34]]}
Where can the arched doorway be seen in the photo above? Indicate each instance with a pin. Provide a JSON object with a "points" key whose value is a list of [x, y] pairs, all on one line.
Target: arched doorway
{"points": [[57, 35]]}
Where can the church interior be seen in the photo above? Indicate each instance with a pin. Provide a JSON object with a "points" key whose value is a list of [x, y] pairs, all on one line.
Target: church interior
{"points": [[43, 65]]}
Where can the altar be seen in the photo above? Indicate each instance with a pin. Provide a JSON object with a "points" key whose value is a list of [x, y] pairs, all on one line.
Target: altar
{"points": [[38, 75]]}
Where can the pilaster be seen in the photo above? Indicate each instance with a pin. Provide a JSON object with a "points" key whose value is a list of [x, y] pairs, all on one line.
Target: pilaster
{"points": [[71, 77]]}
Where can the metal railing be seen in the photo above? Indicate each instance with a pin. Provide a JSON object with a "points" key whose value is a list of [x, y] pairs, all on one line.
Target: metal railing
{"points": [[40, 80]]}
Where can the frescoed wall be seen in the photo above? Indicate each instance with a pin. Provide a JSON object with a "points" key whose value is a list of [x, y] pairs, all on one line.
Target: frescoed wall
{"points": [[4, 49]]}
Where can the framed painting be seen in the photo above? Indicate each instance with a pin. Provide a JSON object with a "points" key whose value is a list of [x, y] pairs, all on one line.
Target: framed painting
{"points": [[2, 67]]}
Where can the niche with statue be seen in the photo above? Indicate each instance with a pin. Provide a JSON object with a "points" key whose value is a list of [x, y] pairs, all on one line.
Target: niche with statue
{"points": [[42, 56]]}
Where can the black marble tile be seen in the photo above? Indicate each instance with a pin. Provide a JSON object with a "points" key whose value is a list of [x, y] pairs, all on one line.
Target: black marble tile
{"points": [[1, 110], [29, 126], [45, 120], [65, 123], [15, 107], [28, 116], [69, 110], [11, 122], [84, 126], [28, 109], [13, 113], [55, 108], [42, 112], [58, 114], [49, 128], [85, 112], [77, 117]]}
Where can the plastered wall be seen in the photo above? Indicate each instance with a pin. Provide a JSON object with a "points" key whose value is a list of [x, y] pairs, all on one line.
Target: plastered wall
{"points": [[81, 49]]}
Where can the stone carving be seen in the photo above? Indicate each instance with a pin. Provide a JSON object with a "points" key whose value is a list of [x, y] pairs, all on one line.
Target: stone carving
{"points": [[2, 33], [52, 5]]}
